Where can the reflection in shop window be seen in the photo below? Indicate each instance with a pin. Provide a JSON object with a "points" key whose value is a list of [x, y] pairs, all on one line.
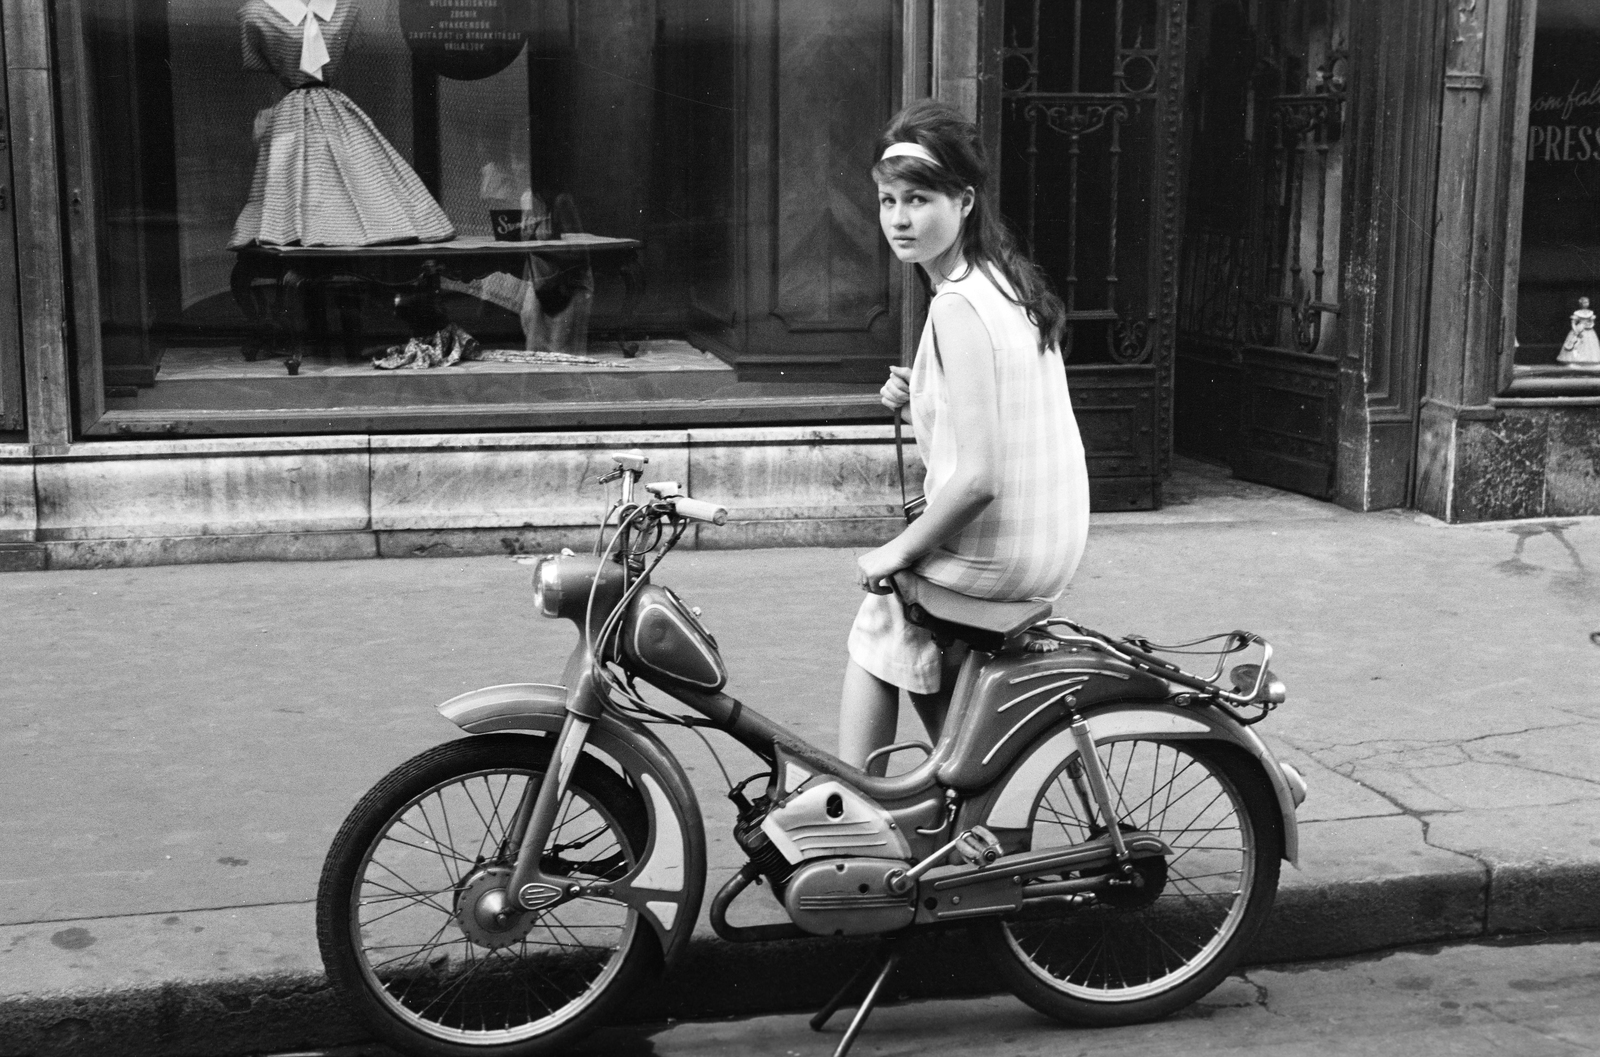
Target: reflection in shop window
{"points": [[300, 197], [1559, 280]]}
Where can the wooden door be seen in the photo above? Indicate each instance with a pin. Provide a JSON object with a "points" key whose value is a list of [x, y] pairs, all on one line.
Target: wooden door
{"points": [[699, 155], [1090, 100], [1256, 387], [799, 285]]}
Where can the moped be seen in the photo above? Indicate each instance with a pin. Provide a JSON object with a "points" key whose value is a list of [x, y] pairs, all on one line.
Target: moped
{"points": [[1105, 824]]}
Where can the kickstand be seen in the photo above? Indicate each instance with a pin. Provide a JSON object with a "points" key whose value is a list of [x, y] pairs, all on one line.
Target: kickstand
{"points": [[883, 961]]}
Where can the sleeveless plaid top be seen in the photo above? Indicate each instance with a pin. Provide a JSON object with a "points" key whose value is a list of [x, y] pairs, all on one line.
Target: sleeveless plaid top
{"points": [[1027, 542]]}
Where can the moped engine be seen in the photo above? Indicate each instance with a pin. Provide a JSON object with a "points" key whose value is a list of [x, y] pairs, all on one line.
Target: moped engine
{"points": [[847, 897], [826, 818], [759, 847]]}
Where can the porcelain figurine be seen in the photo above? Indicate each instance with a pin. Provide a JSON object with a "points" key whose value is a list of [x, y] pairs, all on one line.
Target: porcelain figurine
{"points": [[1582, 348]]}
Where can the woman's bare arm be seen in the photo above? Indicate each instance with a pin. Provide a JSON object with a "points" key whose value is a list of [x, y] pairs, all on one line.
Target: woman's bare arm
{"points": [[967, 354]]}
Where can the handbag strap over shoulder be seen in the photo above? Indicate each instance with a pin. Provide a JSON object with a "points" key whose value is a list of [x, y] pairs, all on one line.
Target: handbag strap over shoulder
{"points": [[900, 446], [900, 456]]}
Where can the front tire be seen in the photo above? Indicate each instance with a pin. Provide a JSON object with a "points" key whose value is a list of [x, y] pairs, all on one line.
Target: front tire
{"points": [[1138, 953], [406, 905]]}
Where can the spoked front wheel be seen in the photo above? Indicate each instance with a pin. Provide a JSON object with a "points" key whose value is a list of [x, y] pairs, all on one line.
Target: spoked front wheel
{"points": [[1151, 944], [416, 925]]}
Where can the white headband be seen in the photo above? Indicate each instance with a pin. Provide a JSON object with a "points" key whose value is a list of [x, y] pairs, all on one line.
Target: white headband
{"points": [[911, 150]]}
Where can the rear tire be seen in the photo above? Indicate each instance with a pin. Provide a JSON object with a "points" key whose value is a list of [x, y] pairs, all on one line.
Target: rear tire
{"points": [[405, 905], [1141, 953]]}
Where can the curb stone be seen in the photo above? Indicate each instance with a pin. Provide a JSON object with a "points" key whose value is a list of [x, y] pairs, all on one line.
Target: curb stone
{"points": [[248, 1014]]}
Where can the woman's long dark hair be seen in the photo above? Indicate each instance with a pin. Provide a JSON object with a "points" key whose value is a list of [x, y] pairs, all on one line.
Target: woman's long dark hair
{"points": [[985, 240]]}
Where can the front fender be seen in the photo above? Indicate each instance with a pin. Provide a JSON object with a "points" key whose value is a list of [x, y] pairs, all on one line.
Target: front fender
{"points": [[675, 860], [1008, 802]]}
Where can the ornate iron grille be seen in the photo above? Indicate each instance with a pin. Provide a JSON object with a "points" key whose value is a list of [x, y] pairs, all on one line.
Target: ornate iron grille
{"points": [[1080, 103], [1264, 280]]}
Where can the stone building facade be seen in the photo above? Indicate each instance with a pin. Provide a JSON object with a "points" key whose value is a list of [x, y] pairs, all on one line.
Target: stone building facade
{"points": [[1335, 245]]}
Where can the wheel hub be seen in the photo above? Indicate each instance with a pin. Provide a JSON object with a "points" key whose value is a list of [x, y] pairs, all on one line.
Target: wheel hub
{"points": [[1139, 889], [486, 913]]}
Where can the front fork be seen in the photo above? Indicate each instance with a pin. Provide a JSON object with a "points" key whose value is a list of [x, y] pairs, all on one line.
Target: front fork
{"points": [[536, 817], [530, 889], [530, 831]]}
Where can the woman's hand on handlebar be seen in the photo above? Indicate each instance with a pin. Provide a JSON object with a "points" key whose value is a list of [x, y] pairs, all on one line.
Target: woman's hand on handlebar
{"points": [[874, 568], [896, 392]]}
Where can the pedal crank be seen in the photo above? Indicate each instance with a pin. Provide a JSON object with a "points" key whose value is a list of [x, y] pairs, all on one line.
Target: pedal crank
{"points": [[976, 846]]}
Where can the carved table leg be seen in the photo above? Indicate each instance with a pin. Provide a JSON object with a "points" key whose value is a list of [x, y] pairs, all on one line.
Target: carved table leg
{"points": [[348, 295], [633, 280], [293, 306], [419, 306], [254, 304]]}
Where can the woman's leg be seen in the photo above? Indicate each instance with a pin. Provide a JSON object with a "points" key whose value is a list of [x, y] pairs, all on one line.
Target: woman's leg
{"points": [[869, 711], [932, 708]]}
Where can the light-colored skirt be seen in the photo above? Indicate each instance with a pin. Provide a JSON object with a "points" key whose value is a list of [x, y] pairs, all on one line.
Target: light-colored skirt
{"points": [[892, 648], [325, 176]]}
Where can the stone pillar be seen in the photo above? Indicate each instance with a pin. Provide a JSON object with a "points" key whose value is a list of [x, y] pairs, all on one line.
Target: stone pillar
{"points": [[41, 269], [1478, 158], [1396, 68]]}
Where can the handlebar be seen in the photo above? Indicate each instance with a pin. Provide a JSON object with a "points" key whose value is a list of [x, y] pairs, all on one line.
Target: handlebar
{"points": [[630, 470], [700, 510]]}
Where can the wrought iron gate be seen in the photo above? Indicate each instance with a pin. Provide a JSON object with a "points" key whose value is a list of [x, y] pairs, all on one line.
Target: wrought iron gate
{"points": [[1089, 107], [1255, 387]]}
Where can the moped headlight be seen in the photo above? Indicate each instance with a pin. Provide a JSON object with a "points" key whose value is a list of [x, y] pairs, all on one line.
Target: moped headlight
{"points": [[547, 587]]}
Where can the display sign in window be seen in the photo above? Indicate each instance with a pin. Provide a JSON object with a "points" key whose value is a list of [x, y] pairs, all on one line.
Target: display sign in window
{"points": [[1558, 291]]}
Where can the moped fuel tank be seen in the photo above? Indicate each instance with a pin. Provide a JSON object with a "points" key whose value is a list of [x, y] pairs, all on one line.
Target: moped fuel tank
{"points": [[661, 637]]}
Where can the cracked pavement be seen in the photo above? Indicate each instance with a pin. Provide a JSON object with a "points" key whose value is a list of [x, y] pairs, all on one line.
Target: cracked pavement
{"points": [[1444, 691]]}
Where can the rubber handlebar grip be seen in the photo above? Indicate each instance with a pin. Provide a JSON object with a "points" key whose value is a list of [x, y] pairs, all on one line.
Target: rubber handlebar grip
{"points": [[700, 510]]}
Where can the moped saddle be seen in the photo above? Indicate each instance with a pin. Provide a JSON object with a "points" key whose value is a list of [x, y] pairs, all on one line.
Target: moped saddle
{"points": [[978, 620]]}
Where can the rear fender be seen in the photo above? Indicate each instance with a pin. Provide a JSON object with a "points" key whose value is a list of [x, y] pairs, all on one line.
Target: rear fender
{"points": [[674, 863], [1006, 804]]}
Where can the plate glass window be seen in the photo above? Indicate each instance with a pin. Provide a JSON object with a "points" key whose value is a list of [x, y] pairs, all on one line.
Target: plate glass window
{"points": [[414, 208], [1558, 289]]}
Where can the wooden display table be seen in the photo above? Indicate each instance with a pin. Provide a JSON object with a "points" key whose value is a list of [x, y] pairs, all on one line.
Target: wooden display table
{"points": [[295, 275]]}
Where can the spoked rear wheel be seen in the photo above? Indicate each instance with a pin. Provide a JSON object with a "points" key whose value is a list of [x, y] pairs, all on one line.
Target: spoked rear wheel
{"points": [[411, 908], [1146, 949]]}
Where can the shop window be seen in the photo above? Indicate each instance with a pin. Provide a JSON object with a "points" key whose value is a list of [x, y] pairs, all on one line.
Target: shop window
{"points": [[1558, 286], [403, 206]]}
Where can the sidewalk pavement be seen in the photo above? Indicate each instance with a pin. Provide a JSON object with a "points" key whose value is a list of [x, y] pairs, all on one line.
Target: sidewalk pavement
{"points": [[180, 744]]}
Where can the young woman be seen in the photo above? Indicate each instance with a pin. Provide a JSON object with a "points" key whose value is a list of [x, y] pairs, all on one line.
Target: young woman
{"points": [[1008, 494]]}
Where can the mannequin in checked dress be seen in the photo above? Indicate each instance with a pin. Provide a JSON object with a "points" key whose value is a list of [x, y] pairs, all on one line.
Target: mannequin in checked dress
{"points": [[325, 175]]}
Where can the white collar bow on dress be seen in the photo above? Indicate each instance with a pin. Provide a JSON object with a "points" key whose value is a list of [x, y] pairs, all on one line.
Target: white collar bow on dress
{"points": [[313, 49]]}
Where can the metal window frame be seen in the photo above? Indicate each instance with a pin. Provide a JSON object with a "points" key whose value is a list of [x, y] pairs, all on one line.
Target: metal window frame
{"points": [[1515, 387]]}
